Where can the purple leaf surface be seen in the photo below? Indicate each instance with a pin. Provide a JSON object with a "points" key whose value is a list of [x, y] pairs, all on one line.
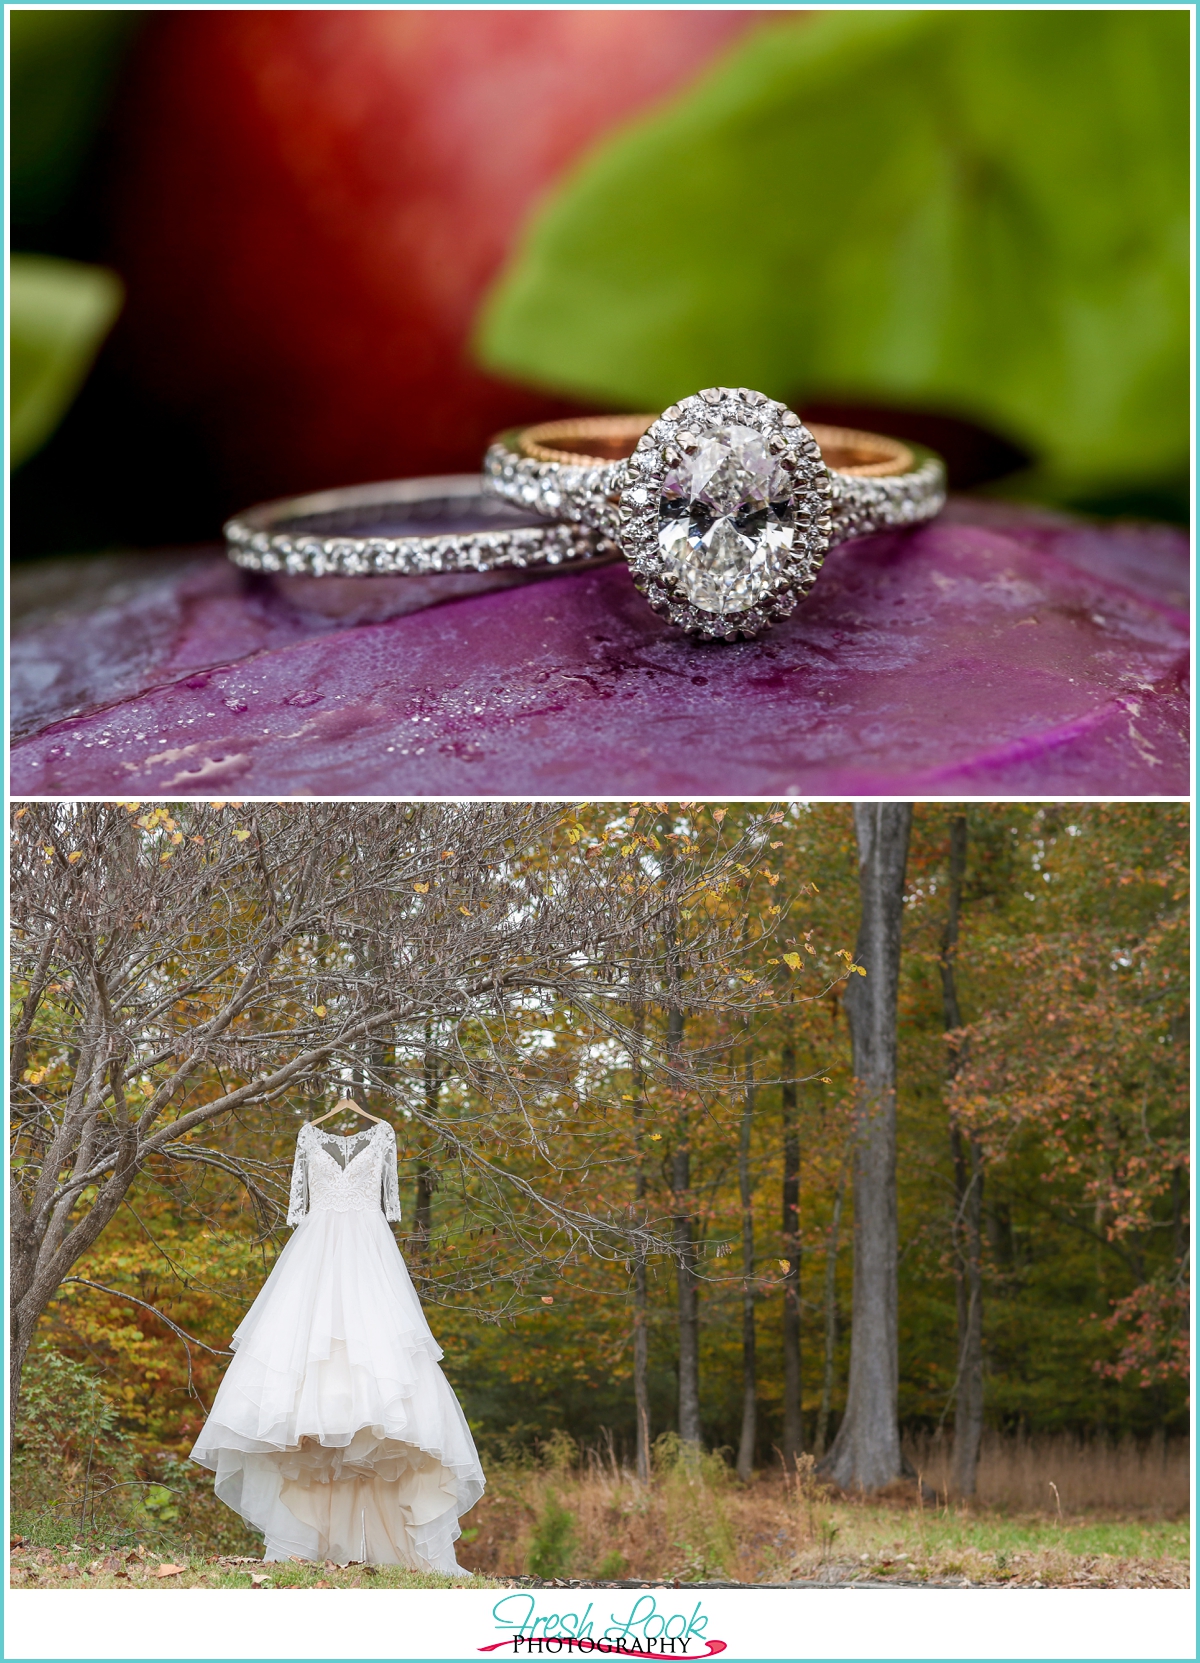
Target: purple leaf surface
{"points": [[999, 650]]}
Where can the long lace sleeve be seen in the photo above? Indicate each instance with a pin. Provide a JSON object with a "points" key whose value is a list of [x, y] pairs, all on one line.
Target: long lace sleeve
{"points": [[298, 1203], [391, 1185]]}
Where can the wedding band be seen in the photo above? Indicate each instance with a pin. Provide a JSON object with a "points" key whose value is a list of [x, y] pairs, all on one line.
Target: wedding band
{"points": [[407, 526], [724, 505]]}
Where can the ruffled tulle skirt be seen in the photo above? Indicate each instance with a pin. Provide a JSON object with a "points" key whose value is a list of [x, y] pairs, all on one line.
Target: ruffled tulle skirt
{"points": [[334, 1432]]}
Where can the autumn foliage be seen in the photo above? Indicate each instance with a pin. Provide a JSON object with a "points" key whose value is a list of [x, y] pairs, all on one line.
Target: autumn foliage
{"points": [[523, 1131]]}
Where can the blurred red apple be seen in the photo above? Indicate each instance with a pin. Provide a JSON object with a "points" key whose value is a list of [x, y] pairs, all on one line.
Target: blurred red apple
{"points": [[310, 205]]}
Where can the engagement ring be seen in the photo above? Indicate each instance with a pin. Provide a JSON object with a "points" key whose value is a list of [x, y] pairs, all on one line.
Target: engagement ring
{"points": [[406, 526], [724, 506]]}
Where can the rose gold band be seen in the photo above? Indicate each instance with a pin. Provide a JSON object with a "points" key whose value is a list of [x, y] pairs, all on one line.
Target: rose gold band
{"points": [[592, 441]]}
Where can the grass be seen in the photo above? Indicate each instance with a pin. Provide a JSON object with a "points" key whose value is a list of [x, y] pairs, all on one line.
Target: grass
{"points": [[988, 1548], [70, 1566], [1122, 1522], [695, 1522], [853, 1541], [1022, 1473]]}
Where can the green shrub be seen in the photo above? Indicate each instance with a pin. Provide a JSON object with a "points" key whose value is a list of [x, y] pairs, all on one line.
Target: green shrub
{"points": [[559, 1452], [552, 1545], [77, 1476], [694, 1482], [612, 1567], [64, 1412]]}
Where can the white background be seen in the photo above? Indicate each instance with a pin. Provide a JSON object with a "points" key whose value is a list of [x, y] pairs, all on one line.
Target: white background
{"points": [[754, 1623]]}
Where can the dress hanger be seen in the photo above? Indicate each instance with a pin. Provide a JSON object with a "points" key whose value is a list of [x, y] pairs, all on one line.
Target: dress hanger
{"points": [[348, 1103]]}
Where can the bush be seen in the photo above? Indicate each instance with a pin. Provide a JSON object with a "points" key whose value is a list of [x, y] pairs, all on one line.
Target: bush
{"points": [[612, 1567], [552, 1545], [68, 1449], [78, 1477], [693, 1484]]}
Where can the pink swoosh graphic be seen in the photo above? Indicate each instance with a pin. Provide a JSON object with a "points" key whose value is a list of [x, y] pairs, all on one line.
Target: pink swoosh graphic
{"points": [[607, 1647]]}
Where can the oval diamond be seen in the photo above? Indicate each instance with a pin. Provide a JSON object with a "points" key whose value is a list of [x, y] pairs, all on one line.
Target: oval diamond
{"points": [[726, 522]]}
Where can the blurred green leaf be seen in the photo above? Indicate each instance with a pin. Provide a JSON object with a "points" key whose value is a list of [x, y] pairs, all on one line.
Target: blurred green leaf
{"points": [[980, 211], [160, 1501], [61, 67], [60, 312]]}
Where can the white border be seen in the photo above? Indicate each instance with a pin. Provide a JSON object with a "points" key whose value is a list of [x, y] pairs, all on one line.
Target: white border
{"points": [[454, 1623]]}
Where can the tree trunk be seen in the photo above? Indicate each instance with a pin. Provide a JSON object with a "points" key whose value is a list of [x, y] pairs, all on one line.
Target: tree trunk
{"points": [[683, 1224], [793, 1425], [968, 1207], [831, 1253], [20, 1338], [685, 1250], [745, 1457], [641, 1392], [426, 1177], [968, 1408], [641, 1395], [866, 1451]]}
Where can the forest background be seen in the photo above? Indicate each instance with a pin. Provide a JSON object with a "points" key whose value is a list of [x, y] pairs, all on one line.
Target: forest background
{"points": [[1065, 1079]]}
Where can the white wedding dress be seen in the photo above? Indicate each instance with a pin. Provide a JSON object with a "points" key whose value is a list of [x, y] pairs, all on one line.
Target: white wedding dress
{"points": [[334, 1432]]}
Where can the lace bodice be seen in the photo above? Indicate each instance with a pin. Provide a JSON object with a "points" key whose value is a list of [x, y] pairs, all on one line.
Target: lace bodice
{"points": [[355, 1174]]}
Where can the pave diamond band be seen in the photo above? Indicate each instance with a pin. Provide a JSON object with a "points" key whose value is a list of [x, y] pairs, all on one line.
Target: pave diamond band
{"points": [[407, 526], [725, 505]]}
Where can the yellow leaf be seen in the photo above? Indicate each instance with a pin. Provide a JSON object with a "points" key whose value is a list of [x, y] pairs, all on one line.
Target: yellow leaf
{"points": [[164, 858], [20, 812], [466, 911], [176, 837], [656, 1137], [793, 959], [320, 1010], [858, 970], [76, 854], [718, 815], [825, 1081], [783, 1265], [241, 834], [447, 854], [420, 888]]}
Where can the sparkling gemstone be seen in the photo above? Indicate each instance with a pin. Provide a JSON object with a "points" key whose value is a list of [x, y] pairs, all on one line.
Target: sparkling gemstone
{"points": [[725, 521]]}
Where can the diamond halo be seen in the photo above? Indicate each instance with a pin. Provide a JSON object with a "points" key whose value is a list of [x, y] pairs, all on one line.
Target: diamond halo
{"points": [[723, 513]]}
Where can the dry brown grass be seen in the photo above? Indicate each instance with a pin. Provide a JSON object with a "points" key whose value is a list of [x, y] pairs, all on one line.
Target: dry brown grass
{"points": [[1123, 1524], [1020, 1474], [698, 1523]]}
